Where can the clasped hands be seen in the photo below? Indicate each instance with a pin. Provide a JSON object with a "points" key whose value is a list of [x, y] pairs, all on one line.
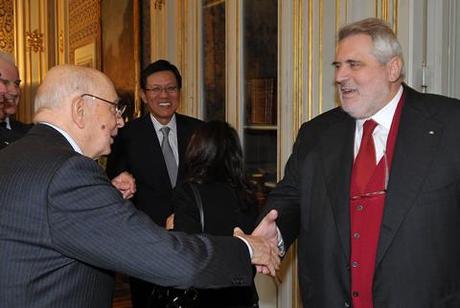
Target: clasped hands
{"points": [[264, 244]]}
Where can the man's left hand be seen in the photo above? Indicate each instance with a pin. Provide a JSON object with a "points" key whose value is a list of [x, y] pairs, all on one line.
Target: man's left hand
{"points": [[125, 183]]}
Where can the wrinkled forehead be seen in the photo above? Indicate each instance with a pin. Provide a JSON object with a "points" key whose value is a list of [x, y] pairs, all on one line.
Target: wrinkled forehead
{"points": [[8, 71]]}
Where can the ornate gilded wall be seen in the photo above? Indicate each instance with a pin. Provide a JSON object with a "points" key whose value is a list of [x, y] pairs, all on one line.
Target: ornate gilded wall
{"points": [[7, 26], [84, 25]]}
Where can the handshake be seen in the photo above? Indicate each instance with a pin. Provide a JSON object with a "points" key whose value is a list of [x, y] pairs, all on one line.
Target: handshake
{"points": [[264, 241]]}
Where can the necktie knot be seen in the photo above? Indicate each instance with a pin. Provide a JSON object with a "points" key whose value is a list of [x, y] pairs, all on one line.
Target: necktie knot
{"points": [[165, 131], [368, 128]]}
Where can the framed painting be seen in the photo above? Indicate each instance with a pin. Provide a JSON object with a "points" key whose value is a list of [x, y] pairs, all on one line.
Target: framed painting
{"points": [[86, 55]]}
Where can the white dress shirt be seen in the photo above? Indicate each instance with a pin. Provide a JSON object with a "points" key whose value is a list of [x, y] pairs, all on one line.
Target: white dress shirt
{"points": [[384, 118], [66, 136]]}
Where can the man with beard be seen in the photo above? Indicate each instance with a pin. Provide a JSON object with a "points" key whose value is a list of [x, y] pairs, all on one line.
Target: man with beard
{"points": [[371, 189]]}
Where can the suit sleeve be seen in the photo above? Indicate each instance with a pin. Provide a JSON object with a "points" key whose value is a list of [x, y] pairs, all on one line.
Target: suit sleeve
{"points": [[90, 222], [286, 196]]}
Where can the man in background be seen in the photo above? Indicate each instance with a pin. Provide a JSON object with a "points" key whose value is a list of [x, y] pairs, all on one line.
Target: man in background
{"points": [[10, 128], [152, 149], [372, 188], [3, 141], [65, 228]]}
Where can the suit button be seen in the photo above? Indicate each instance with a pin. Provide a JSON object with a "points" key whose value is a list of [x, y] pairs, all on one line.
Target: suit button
{"points": [[359, 208], [355, 294], [237, 281], [354, 264], [347, 305]]}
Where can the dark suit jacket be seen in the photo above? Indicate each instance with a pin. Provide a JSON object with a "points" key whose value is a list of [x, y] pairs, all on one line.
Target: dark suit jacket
{"points": [[18, 129], [138, 151], [222, 213], [418, 254], [64, 228]]}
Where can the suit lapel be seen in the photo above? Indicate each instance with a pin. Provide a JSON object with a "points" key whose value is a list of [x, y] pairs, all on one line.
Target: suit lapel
{"points": [[182, 138], [416, 143], [337, 156]]}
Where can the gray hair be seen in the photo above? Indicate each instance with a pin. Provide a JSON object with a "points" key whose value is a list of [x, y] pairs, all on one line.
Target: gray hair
{"points": [[385, 43], [63, 82]]}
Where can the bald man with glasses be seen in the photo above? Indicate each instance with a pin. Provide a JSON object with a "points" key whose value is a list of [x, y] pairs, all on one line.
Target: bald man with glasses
{"points": [[65, 229]]}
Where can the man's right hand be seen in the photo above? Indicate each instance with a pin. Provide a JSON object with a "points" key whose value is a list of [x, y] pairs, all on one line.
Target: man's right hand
{"points": [[268, 229], [264, 252]]}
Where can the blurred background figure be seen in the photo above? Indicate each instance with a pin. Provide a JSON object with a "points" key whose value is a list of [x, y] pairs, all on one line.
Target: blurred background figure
{"points": [[10, 129], [214, 163]]}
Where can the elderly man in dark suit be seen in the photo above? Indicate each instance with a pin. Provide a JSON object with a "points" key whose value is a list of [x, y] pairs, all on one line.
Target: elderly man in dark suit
{"points": [[64, 228], [155, 161], [372, 188], [10, 129]]}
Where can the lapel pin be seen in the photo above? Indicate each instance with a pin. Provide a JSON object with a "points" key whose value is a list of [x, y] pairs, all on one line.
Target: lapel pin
{"points": [[431, 132]]}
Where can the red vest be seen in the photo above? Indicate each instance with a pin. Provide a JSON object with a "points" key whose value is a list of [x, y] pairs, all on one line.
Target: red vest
{"points": [[366, 212]]}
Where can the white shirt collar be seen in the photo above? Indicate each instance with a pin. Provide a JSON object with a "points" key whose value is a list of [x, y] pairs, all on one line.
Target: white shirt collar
{"points": [[7, 121], [66, 136], [384, 116], [158, 125]]}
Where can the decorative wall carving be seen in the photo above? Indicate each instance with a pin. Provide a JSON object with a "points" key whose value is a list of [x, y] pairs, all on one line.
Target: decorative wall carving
{"points": [[7, 26], [34, 41], [158, 4], [84, 24]]}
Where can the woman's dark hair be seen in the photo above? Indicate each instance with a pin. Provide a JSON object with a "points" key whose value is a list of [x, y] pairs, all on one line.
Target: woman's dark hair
{"points": [[214, 154]]}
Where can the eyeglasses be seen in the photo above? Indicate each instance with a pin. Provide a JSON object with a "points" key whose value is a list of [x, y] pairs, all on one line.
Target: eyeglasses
{"points": [[156, 90], [379, 192], [120, 107]]}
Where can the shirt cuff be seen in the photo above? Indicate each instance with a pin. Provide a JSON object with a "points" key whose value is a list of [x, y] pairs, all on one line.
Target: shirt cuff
{"points": [[247, 244], [281, 248]]}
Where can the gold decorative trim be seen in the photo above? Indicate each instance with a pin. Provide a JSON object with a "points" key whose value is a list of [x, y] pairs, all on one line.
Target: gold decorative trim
{"points": [[7, 26], [84, 25], [34, 41], [298, 54], [338, 7], [310, 59], [239, 42], [137, 58], [61, 41], [158, 4], [395, 16]]}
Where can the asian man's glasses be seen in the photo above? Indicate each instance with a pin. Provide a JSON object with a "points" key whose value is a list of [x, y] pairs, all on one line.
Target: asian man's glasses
{"points": [[378, 192], [156, 90], [120, 107]]}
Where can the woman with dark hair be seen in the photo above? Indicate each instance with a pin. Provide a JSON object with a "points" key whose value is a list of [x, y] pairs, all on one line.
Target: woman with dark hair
{"points": [[214, 161]]}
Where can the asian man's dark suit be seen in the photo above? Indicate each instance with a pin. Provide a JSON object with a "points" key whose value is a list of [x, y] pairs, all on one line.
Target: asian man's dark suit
{"points": [[138, 151], [18, 129], [418, 254], [64, 228]]}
